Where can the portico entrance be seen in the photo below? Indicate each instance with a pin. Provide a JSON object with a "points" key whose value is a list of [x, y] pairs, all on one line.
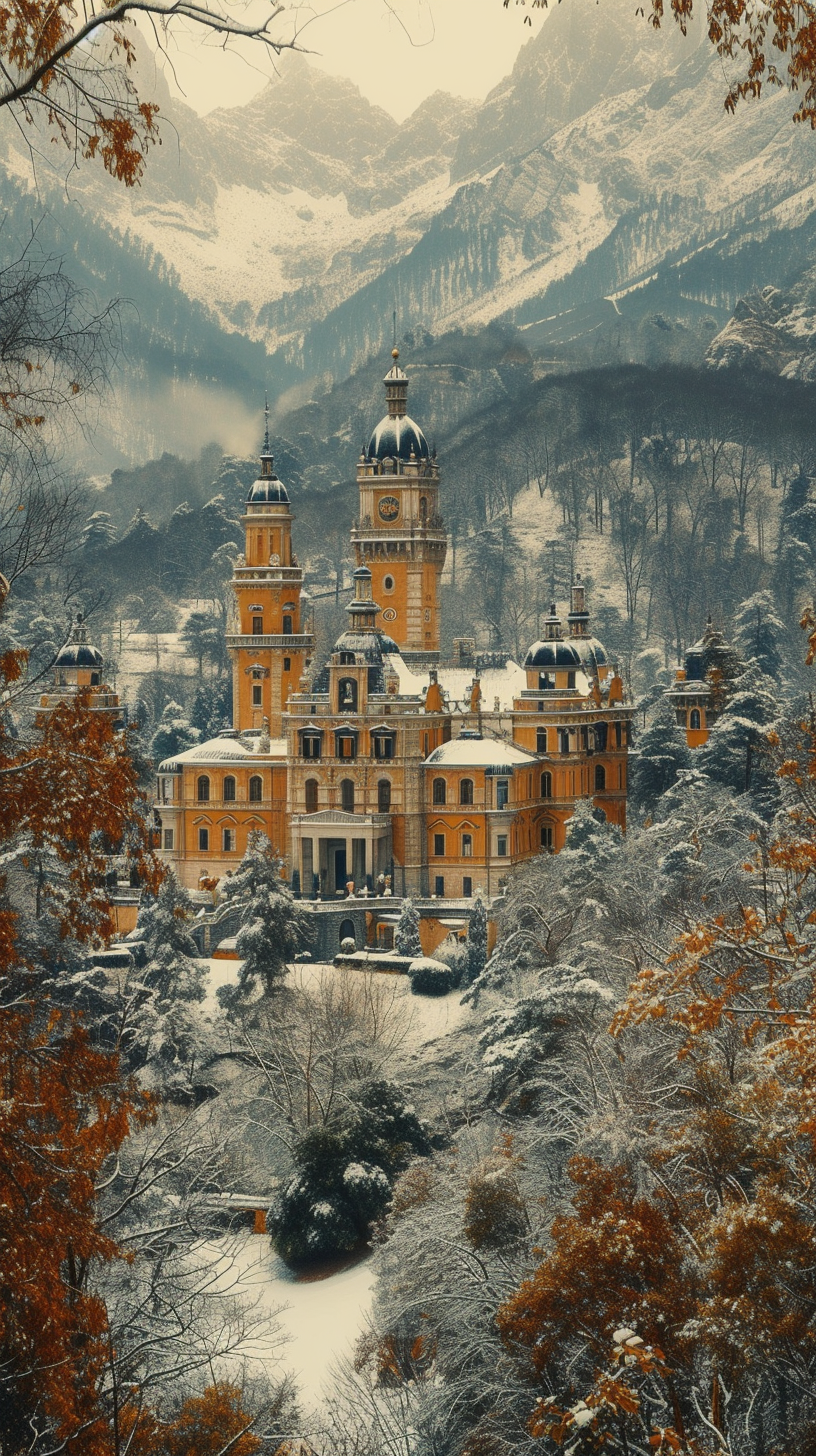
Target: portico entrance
{"points": [[336, 847]]}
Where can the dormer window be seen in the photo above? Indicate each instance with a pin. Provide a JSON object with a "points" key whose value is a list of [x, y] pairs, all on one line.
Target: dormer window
{"points": [[347, 659]]}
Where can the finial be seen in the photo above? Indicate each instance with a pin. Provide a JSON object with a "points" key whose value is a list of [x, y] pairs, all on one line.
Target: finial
{"points": [[395, 353], [266, 418]]}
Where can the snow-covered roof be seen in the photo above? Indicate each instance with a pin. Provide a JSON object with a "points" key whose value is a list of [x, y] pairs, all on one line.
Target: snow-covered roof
{"points": [[504, 683], [224, 750], [470, 750]]}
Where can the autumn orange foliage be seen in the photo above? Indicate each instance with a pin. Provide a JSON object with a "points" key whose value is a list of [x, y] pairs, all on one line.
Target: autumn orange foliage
{"points": [[64, 1109], [702, 1243]]}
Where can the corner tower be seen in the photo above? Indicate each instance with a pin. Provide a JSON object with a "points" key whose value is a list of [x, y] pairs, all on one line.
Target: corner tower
{"points": [[400, 536], [269, 650]]}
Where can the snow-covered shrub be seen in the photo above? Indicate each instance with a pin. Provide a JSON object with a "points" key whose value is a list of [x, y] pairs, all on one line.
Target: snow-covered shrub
{"points": [[454, 955], [348, 945], [342, 1182], [430, 978]]}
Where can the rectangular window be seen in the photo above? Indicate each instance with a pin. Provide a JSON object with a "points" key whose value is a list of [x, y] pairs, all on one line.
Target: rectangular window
{"points": [[467, 846], [311, 746], [439, 886], [346, 748], [547, 838], [546, 682], [426, 744], [257, 695], [541, 740], [618, 735], [501, 846], [257, 626], [168, 839], [439, 844], [570, 679], [229, 839], [287, 664], [502, 793], [383, 746], [467, 887], [203, 838]]}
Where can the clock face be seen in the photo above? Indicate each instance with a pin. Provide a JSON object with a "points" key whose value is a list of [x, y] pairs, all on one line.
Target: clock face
{"points": [[388, 507]]}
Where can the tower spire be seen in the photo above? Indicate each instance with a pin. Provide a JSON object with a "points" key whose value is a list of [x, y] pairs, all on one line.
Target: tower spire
{"points": [[266, 421]]}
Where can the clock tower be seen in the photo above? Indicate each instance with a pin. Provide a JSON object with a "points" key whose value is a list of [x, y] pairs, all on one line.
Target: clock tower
{"points": [[400, 535]]}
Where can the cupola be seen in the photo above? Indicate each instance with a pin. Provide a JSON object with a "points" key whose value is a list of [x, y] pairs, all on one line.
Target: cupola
{"points": [[397, 436]]}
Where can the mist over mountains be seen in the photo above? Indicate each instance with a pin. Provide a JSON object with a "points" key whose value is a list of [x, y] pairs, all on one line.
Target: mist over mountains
{"points": [[600, 201]]}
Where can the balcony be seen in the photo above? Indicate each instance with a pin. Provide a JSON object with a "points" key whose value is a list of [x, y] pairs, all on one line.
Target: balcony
{"points": [[289, 641]]}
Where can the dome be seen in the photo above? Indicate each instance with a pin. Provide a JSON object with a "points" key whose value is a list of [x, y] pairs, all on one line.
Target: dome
{"points": [[79, 654], [400, 437], [557, 653], [268, 490], [589, 649]]}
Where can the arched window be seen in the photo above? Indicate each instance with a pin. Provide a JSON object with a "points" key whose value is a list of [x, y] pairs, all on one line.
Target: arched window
{"points": [[467, 846], [203, 789], [287, 625], [439, 791], [347, 796], [466, 791], [547, 838], [255, 789], [347, 931], [311, 796], [601, 735], [694, 718], [229, 789], [383, 796], [600, 778], [347, 694], [546, 786]]}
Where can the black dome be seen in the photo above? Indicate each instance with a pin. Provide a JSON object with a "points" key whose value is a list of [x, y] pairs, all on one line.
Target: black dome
{"points": [[591, 650], [269, 490], [557, 653], [399, 437], [79, 654]]}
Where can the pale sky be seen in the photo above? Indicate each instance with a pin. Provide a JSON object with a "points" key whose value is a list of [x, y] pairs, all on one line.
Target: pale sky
{"points": [[396, 51]]}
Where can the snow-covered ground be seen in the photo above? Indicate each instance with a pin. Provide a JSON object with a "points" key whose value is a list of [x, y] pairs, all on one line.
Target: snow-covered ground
{"points": [[299, 1327], [427, 1018], [306, 1326]]}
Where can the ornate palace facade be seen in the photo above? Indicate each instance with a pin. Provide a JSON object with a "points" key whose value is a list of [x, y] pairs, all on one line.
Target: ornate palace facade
{"points": [[382, 760]]}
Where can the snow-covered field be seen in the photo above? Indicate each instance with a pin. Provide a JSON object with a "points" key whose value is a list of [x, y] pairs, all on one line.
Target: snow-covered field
{"points": [[307, 1326], [300, 1327]]}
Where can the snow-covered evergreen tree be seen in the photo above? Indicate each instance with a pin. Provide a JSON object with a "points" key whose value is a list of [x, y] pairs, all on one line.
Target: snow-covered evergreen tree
{"points": [[173, 969], [476, 941], [406, 940], [662, 754], [276, 926], [760, 634], [736, 751], [174, 733]]}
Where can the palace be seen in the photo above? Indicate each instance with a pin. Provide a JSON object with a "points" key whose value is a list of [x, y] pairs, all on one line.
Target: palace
{"points": [[381, 761]]}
